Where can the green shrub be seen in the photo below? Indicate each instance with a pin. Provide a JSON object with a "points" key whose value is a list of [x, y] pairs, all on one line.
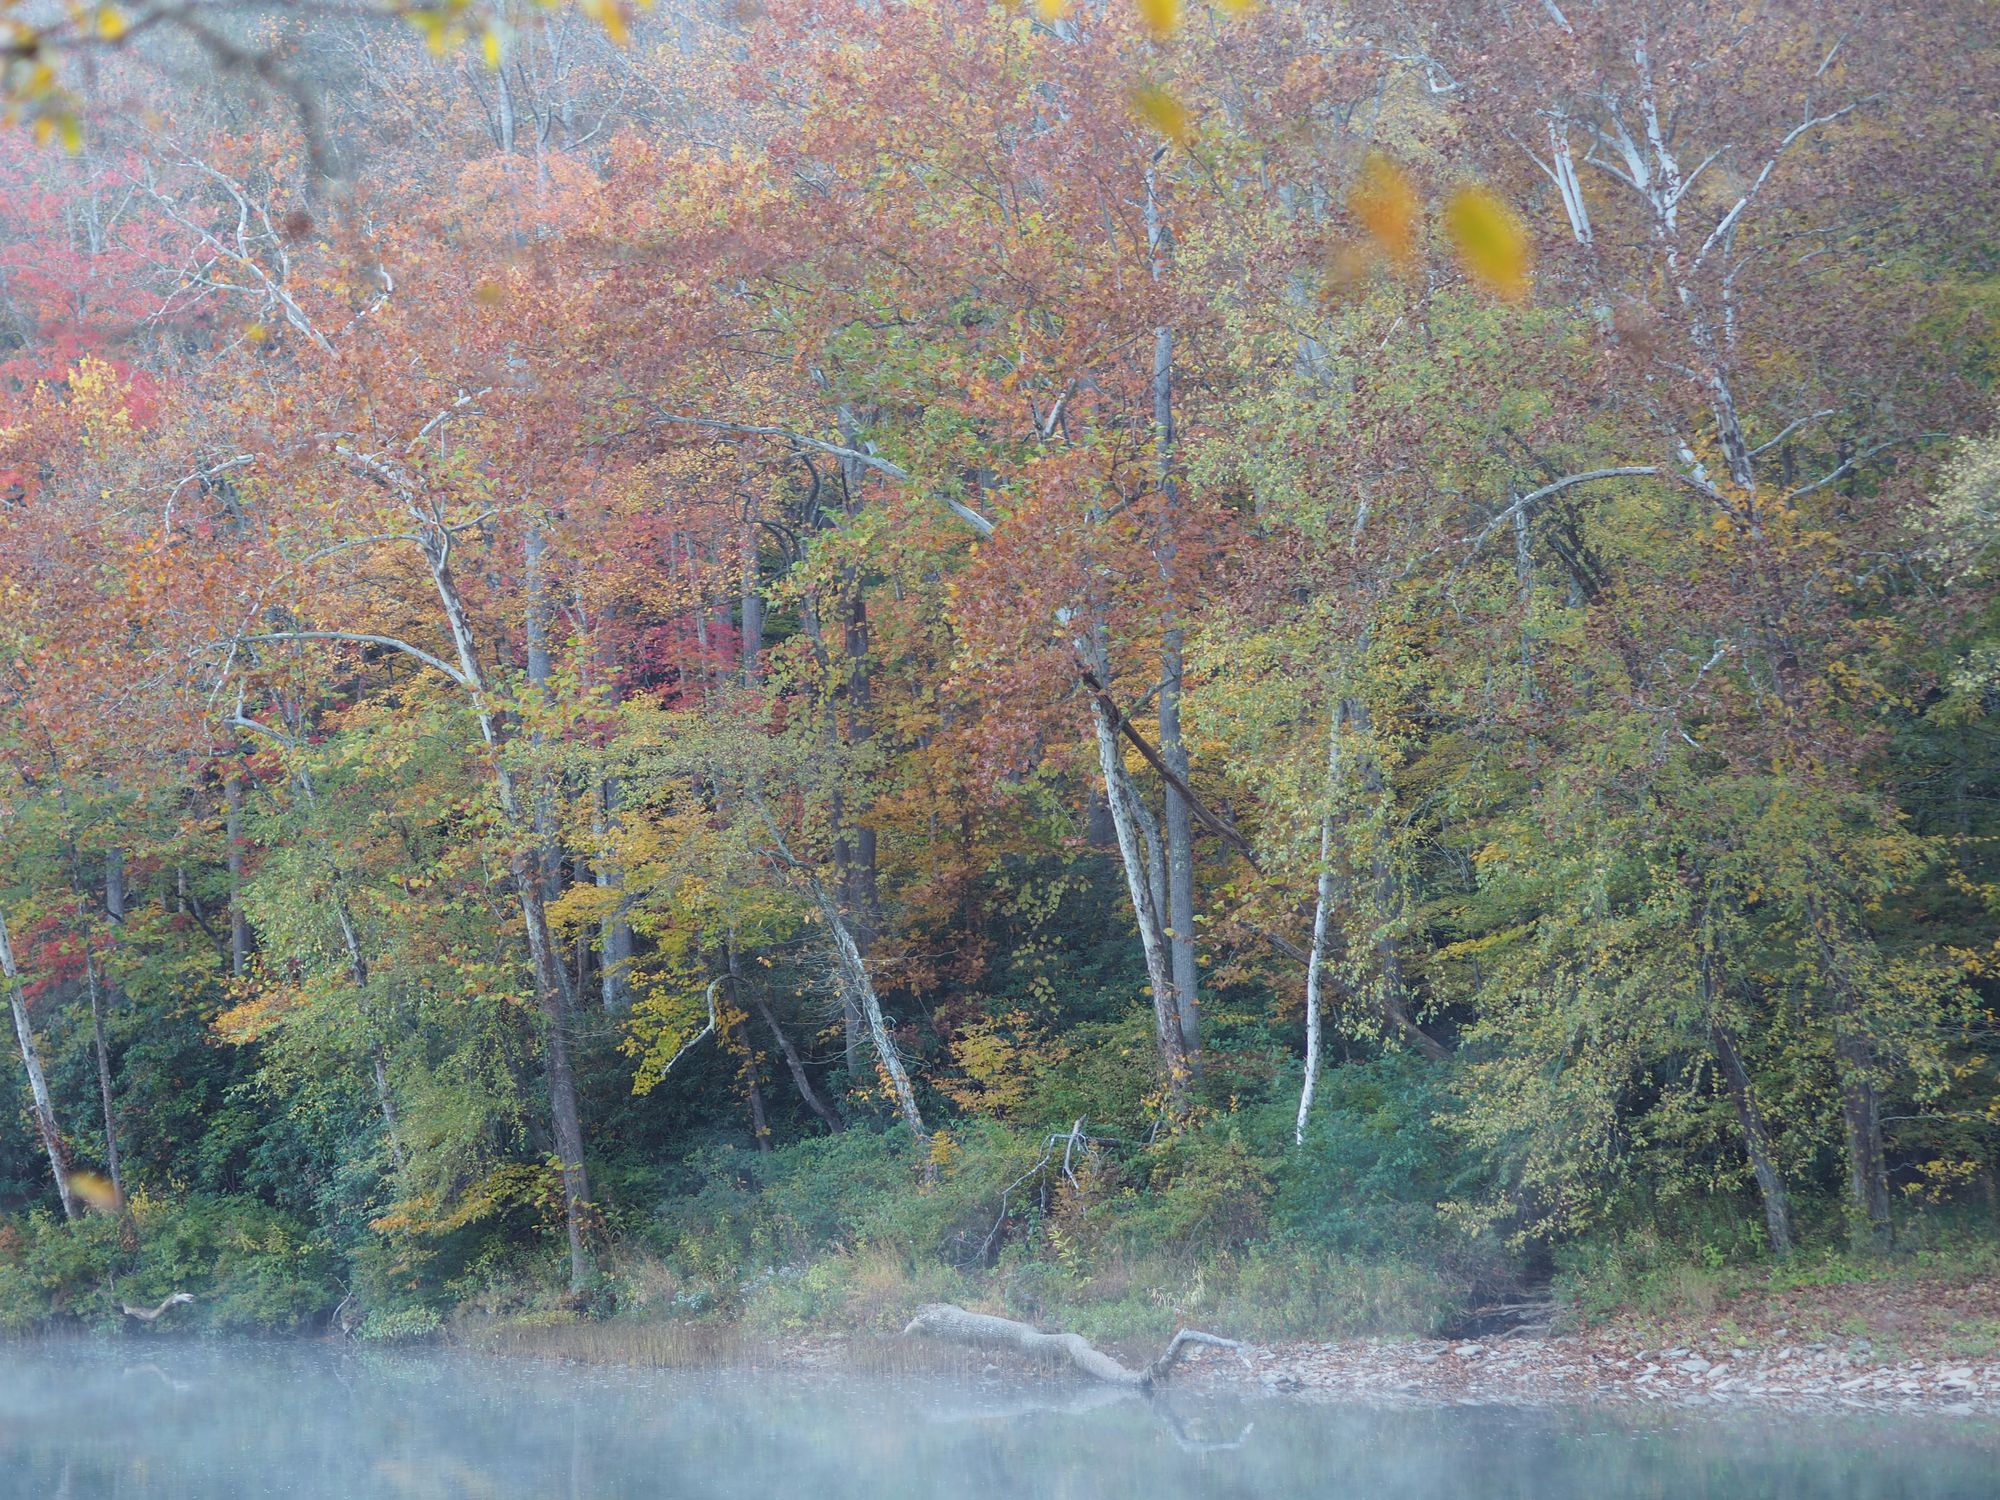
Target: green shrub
{"points": [[1376, 1163], [249, 1267], [402, 1325]]}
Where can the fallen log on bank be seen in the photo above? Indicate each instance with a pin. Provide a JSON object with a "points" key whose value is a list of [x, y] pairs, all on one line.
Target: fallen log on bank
{"points": [[151, 1314], [954, 1325]]}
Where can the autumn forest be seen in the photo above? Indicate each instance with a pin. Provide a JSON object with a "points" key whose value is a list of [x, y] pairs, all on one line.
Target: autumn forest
{"points": [[1285, 666]]}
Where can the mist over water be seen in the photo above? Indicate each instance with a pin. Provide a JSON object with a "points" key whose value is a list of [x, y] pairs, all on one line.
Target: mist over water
{"points": [[217, 1422]]}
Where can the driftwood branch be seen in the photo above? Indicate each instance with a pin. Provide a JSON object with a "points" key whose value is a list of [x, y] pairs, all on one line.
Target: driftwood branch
{"points": [[149, 1314], [954, 1325]]}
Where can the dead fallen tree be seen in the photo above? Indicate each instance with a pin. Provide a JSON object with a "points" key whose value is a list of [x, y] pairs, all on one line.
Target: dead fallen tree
{"points": [[151, 1314], [954, 1325]]}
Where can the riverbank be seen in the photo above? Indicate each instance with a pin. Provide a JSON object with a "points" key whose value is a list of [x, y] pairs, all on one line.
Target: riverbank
{"points": [[1607, 1369], [1922, 1345]]}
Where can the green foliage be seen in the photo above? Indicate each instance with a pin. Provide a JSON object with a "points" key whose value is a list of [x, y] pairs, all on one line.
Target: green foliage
{"points": [[249, 1268], [1379, 1158]]}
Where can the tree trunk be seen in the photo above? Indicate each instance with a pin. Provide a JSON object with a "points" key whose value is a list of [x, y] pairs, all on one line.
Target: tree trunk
{"points": [[1179, 830], [552, 993], [1861, 1115], [551, 976], [1756, 1141], [385, 1101], [853, 1024], [739, 1043], [1316, 955], [614, 933], [1140, 885], [1388, 890], [239, 922], [1178, 912], [38, 1083], [795, 1065], [760, 1125], [854, 978], [752, 631], [1860, 1111], [855, 972], [548, 852], [114, 908], [111, 1163]]}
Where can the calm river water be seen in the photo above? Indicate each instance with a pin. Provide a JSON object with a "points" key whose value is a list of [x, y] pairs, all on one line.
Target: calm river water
{"points": [[207, 1422]]}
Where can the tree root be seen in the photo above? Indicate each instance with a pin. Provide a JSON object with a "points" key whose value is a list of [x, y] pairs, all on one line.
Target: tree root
{"points": [[954, 1325]]}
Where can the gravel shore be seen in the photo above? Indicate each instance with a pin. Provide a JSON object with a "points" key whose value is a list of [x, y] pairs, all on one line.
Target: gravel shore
{"points": [[1587, 1368]]}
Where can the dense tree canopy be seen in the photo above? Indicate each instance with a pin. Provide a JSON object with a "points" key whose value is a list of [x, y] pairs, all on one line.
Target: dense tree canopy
{"points": [[660, 582]]}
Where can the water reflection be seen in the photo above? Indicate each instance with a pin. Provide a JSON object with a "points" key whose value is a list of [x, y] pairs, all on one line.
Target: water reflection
{"points": [[214, 1423]]}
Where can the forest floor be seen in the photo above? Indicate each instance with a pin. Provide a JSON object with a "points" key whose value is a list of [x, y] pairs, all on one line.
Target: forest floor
{"points": [[1884, 1345]]}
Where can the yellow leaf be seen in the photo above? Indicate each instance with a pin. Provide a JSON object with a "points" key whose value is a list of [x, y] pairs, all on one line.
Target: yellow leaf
{"points": [[1384, 202], [96, 1191], [255, 333], [1054, 10], [489, 43], [432, 25], [1491, 240], [1162, 111], [1237, 7], [110, 24], [1162, 17], [611, 16]]}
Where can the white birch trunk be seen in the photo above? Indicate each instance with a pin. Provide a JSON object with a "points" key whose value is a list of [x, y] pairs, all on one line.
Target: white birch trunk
{"points": [[1322, 912], [38, 1083], [1145, 907]]}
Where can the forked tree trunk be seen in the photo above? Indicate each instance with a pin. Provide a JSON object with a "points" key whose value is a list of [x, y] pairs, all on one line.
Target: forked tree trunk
{"points": [[38, 1083], [1178, 909], [854, 971], [1145, 907], [854, 979], [1743, 1099]]}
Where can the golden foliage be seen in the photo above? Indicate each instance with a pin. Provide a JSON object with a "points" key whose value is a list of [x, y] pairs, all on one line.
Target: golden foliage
{"points": [[1491, 241], [1162, 111], [1161, 17], [1384, 202]]}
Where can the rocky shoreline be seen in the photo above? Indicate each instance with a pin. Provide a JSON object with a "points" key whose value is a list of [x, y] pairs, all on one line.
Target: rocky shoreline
{"points": [[1567, 1369], [1925, 1346]]}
